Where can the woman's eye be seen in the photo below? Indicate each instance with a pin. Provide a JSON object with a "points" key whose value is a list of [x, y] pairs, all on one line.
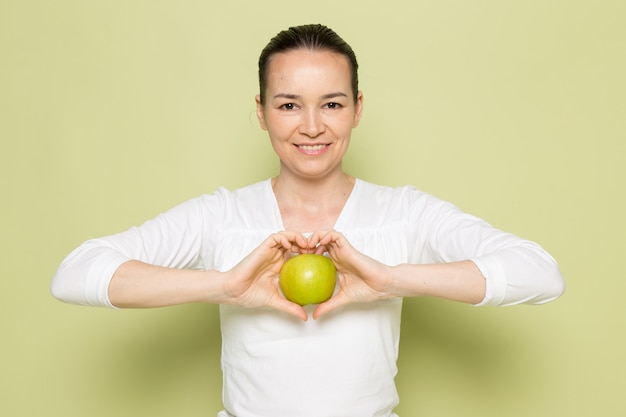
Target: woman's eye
{"points": [[333, 105], [288, 106]]}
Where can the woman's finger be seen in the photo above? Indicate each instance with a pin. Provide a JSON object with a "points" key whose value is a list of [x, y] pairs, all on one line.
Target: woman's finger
{"points": [[334, 302], [287, 306]]}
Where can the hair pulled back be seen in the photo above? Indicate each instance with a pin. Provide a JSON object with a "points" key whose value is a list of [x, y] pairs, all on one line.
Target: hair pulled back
{"points": [[314, 37]]}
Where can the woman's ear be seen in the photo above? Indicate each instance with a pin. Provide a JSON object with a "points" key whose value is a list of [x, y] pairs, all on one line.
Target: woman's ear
{"points": [[358, 109], [260, 114]]}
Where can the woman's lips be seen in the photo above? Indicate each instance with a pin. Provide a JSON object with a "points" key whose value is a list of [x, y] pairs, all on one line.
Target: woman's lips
{"points": [[313, 149]]}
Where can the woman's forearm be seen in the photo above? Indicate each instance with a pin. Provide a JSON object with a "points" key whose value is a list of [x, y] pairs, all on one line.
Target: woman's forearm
{"points": [[139, 285], [457, 281]]}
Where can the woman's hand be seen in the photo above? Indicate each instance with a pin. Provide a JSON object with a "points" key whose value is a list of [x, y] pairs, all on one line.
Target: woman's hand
{"points": [[361, 278], [254, 281], [251, 283]]}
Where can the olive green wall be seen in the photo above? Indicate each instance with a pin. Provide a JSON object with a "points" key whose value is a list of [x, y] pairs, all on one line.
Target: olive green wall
{"points": [[113, 111]]}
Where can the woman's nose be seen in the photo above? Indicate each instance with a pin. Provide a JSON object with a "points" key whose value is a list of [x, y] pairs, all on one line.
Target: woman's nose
{"points": [[312, 124]]}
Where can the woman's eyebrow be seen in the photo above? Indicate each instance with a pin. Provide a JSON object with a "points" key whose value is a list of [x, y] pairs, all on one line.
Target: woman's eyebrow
{"points": [[324, 97], [288, 96], [333, 95]]}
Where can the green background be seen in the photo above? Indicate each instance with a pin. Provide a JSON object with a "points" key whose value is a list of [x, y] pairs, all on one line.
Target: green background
{"points": [[113, 111]]}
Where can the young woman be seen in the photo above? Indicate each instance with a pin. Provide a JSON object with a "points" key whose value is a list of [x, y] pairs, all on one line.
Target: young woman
{"points": [[337, 358]]}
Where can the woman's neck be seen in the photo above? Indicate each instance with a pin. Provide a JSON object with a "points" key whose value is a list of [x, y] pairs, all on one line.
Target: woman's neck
{"points": [[307, 205]]}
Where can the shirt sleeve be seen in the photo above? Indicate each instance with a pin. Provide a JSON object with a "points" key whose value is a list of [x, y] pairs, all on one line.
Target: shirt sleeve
{"points": [[172, 239], [516, 270]]}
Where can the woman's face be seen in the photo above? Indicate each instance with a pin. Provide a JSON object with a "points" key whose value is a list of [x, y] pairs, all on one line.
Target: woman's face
{"points": [[309, 111]]}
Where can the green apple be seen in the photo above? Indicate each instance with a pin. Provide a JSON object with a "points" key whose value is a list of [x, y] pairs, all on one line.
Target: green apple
{"points": [[308, 278]]}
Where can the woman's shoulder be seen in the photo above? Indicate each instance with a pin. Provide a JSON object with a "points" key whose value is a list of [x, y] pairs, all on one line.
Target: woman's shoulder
{"points": [[396, 200], [249, 205], [253, 192], [223, 202], [375, 191]]}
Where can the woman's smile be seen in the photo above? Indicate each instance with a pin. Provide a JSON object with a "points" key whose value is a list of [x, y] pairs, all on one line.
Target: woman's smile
{"points": [[313, 149]]}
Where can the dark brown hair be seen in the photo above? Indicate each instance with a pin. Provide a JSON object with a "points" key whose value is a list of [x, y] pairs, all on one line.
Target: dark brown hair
{"points": [[314, 37]]}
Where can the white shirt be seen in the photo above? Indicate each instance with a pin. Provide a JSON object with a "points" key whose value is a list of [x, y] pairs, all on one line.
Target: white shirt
{"points": [[344, 363]]}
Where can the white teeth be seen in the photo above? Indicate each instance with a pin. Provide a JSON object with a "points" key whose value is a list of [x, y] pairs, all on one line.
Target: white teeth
{"points": [[312, 147]]}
